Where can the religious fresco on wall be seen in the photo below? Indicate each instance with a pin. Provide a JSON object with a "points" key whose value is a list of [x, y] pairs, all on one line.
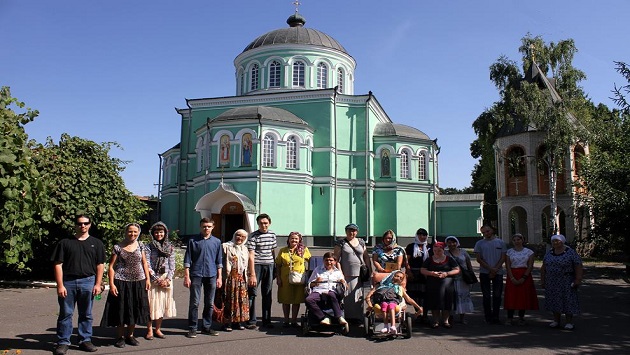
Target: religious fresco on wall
{"points": [[246, 144], [224, 157], [385, 164]]}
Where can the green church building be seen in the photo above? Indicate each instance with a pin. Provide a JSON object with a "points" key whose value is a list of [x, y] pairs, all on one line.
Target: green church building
{"points": [[297, 143]]}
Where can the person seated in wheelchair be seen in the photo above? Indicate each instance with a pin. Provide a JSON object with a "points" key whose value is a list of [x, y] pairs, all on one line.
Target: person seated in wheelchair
{"points": [[327, 286], [389, 297]]}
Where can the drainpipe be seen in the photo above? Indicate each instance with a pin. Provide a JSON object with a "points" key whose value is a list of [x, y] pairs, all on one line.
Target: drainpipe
{"points": [[159, 194], [334, 224], [367, 166], [436, 152], [260, 162], [179, 172], [207, 157]]}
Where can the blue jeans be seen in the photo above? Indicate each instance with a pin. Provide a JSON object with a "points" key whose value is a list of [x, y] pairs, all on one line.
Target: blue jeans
{"points": [[492, 289], [209, 285], [79, 292], [264, 276]]}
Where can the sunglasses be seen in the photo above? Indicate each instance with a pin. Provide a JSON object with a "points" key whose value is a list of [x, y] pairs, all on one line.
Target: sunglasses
{"points": [[83, 223]]}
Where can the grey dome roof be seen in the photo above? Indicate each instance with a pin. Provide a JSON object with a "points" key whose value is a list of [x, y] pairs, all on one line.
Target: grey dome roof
{"points": [[266, 113], [296, 34], [386, 129]]}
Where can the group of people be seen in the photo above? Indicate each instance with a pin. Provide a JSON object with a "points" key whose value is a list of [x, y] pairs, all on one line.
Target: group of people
{"points": [[428, 277]]}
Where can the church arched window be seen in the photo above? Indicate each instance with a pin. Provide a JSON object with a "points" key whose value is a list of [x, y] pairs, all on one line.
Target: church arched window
{"points": [[274, 74], [322, 76], [422, 166], [269, 151], [200, 150], [340, 80], [404, 165], [298, 74], [292, 153], [254, 77]]}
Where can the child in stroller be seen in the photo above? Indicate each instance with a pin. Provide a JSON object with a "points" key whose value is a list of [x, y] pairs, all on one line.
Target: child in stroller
{"points": [[388, 297]]}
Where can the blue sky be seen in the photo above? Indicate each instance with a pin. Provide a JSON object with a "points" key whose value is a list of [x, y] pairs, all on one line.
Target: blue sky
{"points": [[115, 70]]}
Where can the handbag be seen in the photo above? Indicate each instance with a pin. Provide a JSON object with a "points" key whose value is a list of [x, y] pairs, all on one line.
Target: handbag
{"points": [[364, 271], [295, 278], [468, 275]]}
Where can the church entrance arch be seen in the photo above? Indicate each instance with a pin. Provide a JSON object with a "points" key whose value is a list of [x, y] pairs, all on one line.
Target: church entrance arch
{"points": [[546, 223], [518, 222], [230, 210]]}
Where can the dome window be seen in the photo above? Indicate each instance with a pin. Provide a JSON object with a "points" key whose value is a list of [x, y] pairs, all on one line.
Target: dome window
{"points": [[254, 75], [322, 76], [340, 80], [298, 74], [274, 74]]}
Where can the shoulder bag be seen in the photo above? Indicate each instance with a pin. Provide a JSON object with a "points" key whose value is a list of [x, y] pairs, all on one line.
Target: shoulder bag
{"points": [[364, 272], [295, 278], [468, 276]]}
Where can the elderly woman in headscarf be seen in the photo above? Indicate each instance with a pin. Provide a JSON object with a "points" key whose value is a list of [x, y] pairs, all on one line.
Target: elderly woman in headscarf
{"points": [[463, 301], [560, 275], [161, 260], [293, 257], [235, 300], [387, 256]]}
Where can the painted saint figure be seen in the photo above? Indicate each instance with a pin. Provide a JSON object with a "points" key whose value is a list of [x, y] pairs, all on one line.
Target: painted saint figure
{"points": [[224, 159], [246, 143]]}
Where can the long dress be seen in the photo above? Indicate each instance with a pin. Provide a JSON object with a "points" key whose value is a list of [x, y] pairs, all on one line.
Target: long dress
{"points": [[351, 268], [161, 301], [560, 297], [131, 306], [288, 293], [463, 301], [440, 292], [523, 296], [235, 298]]}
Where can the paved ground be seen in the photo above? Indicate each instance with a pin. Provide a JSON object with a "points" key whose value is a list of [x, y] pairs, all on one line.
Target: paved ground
{"points": [[28, 318]]}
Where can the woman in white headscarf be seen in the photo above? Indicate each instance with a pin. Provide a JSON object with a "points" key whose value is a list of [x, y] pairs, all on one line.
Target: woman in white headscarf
{"points": [[235, 300], [463, 301]]}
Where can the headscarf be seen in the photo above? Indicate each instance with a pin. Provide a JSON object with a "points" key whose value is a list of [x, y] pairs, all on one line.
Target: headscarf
{"points": [[299, 249], [420, 248], [452, 237], [164, 248], [236, 251], [381, 248], [559, 237], [439, 245]]}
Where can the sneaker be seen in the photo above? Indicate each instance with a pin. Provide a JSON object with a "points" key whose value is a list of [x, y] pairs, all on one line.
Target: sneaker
{"points": [[192, 333], [251, 326], [87, 346], [132, 341], [569, 326], [120, 343], [325, 321], [342, 321], [553, 325], [61, 349], [385, 330], [392, 330], [209, 331]]}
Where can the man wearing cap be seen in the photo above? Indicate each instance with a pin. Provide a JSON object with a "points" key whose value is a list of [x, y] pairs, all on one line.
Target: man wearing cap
{"points": [[491, 255], [351, 253]]}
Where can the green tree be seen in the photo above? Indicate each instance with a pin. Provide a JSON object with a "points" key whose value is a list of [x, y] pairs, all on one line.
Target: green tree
{"points": [[529, 99], [23, 198], [606, 171], [86, 179]]}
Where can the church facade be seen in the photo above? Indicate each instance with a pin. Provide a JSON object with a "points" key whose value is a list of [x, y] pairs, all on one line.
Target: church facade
{"points": [[297, 143]]}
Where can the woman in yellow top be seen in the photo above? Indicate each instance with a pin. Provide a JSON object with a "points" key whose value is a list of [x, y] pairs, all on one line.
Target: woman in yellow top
{"points": [[293, 257]]}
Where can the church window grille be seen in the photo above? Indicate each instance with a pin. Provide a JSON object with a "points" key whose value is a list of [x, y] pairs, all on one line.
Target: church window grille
{"points": [[422, 166], [298, 74], [340, 80], [404, 165], [269, 151], [254, 77], [291, 153], [274, 74], [322, 76]]}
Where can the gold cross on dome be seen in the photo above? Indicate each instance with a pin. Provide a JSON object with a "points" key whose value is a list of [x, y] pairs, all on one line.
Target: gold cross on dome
{"points": [[297, 5]]}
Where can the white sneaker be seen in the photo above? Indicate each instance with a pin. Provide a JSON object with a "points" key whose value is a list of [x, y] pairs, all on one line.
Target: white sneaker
{"points": [[325, 321], [385, 330], [392, 330], [553, 325], [342, 321], [568, 326]]}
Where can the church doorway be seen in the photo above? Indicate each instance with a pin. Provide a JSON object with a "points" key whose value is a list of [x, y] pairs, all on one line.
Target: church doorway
{"points": [[231, 218]]}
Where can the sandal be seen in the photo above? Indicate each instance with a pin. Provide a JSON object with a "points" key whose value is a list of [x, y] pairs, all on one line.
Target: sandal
{"points": [[160, 335], [435, 325], [447, 325], [148, 337]]}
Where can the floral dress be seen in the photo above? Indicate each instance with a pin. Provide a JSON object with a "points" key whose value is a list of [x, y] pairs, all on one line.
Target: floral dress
{"points": [[560, 297]]}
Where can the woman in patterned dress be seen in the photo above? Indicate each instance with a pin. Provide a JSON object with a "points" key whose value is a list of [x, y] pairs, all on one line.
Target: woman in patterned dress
{"points": [[387, 256], [235, 301], [127, 301], [520, 292], [560, 276], [293, 257], [161, 259]]}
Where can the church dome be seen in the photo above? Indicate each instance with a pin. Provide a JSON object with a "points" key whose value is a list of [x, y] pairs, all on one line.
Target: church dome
{"points": [[296, 34], [386, 129], [266, 114]]}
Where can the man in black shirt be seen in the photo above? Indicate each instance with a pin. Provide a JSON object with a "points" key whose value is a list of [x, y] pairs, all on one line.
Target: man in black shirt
{"points": [[79, 273]]}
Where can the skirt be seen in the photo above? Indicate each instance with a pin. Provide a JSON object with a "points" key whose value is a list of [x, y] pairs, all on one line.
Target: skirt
{"points": [[523, 296], [235, 299], [130, 307], [161, 302]]}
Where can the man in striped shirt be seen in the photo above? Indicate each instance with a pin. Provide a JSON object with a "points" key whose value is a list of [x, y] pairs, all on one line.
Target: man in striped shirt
{"points": [[262, 253]]}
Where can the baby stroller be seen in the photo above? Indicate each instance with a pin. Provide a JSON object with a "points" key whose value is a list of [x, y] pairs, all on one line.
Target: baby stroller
{"points": [[374, 320], [309, 323]]}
